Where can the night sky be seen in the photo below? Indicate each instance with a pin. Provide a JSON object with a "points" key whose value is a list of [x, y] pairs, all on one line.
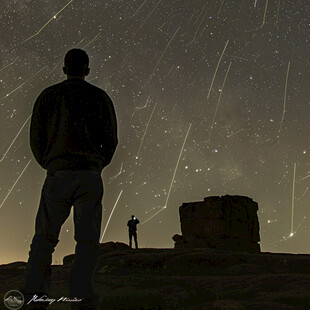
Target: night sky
{"points": [[211, 97]]}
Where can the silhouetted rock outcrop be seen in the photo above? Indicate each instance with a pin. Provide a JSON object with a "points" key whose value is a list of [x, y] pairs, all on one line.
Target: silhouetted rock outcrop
{"points": [[104, 248], [226, 222], [184, 279]]}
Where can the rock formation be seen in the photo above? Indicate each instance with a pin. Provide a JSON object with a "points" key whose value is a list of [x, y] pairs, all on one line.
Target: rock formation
{"points": [[104, 248], [226, 223], [183, 279]]}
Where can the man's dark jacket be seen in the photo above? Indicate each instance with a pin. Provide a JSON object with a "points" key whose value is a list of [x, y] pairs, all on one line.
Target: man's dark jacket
{"points": [[73, 127]]}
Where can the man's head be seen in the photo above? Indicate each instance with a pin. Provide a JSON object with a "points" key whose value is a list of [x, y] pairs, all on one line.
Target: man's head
{"points": [[133, 217], [76, 63]]}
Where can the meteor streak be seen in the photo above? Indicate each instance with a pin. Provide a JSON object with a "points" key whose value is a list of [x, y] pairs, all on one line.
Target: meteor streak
{"points": [[95, 78], [111, 215], [139, 8], [54, 16], [9, 64], [306, 177], [147, 126], [218, 64], [292, 233], [14, 184], [220, 8], [293, 194], [200, 13], [285, 91], [213, 121], [264, 18], [163, 54], [277, 21], [140, 108], [21, 85], [15, 138], [198, 25], [176, 167], [154, 208], [92, 40], [120, 172], [241, 7], [305, 192], [147, 18], [141, 185], [234, 133], [175, 170]]}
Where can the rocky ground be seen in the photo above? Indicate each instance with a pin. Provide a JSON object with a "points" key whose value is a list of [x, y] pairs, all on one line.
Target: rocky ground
{"points": [[179, 279]]}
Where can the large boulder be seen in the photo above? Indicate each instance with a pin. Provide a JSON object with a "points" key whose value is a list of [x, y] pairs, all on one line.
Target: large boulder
{"points": [[223, 222]]}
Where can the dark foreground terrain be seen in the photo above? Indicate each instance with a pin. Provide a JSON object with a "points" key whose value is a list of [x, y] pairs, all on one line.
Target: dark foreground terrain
{"points": [[178, 279]]}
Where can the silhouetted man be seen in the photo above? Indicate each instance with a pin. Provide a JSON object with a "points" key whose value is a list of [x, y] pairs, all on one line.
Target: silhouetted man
{"points": [[132, 227], [73, 135]]}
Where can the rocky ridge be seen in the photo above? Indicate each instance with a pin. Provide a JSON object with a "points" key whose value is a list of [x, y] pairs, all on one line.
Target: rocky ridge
{"points": [[178, 279]]}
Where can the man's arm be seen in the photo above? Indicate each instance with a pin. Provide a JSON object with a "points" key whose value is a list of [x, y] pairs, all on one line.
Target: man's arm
{"points": [[137, 221], [38, 138], [110, 140]]}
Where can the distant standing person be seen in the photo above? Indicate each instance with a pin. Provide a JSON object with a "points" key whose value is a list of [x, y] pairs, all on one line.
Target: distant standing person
{"points": [[73, 135], [132, 225]]}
